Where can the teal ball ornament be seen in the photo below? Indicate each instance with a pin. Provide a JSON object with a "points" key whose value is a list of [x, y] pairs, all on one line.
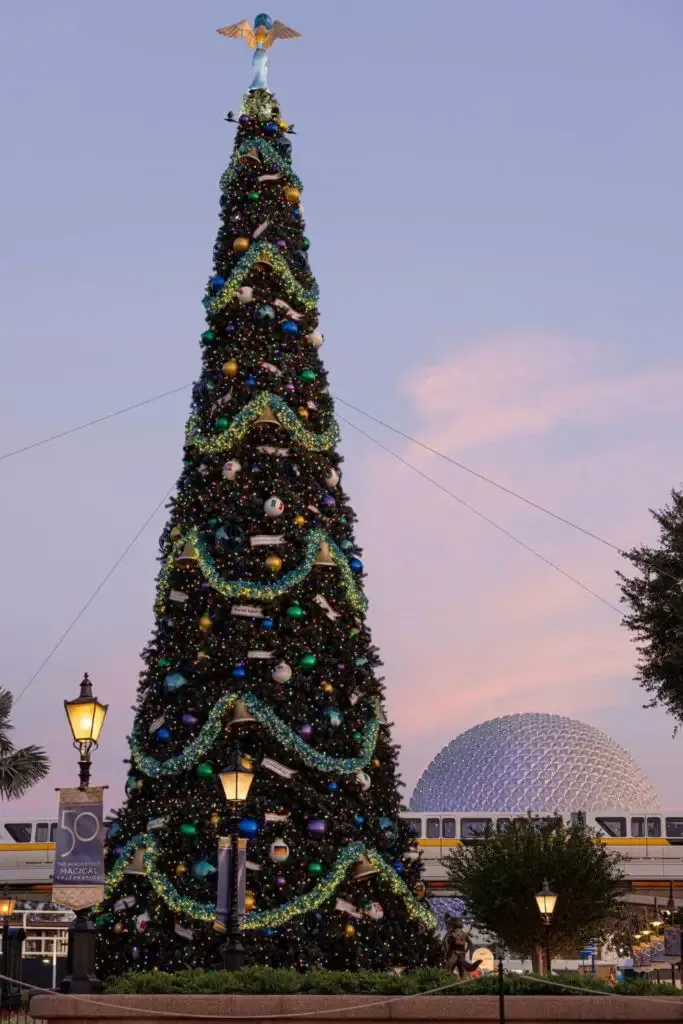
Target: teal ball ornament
{"points": [[263, 19], [173, 682], [308, 661], [334, 717], [265, 313], [315, 868]]}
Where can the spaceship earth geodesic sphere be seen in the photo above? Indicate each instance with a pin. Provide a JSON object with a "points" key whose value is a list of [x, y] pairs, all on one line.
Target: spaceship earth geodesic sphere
{"points": [[533, 762]]}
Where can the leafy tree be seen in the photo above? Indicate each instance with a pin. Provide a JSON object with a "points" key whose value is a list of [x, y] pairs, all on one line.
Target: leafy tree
{"points": [[20, 769], [655, 618], [498, 877]]}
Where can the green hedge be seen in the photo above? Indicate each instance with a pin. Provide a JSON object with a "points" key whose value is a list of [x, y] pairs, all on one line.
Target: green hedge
{"points": [[266, 981]]}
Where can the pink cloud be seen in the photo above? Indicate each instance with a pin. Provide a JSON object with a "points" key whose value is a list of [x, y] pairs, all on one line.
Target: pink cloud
{"points": [[471, 626]]}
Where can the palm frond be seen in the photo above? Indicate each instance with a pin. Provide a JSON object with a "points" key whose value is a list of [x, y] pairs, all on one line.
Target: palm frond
{"points": [[20, 770]]}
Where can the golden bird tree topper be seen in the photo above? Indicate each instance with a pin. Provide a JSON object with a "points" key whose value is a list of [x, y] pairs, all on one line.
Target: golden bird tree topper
{"points": [[260, 38]]}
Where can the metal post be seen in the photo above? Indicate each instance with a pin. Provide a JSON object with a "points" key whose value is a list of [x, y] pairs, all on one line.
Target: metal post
{"points": [[501, 988], [233, 950], [81, 978], [548, 968], [84, 765], [5, 1000]]}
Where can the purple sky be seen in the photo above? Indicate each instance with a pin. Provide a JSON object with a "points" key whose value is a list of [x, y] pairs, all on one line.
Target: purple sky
{"points": [[493, 197]]}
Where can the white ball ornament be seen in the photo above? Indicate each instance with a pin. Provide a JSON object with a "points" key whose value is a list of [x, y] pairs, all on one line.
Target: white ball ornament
{"points": [[332, 478], [245, 294], [142, 923], [315, 338], [274, 507], [282, 673], [279, 851], [363, 780], [231, 469], [375, 911]]}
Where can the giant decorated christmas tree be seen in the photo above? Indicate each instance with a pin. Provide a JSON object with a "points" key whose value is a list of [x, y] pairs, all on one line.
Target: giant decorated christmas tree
{"points": [[261, 643]]}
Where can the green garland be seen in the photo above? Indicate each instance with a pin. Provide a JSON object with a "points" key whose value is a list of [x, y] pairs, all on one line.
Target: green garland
{"points": [[323, 891], [265, 252], [272, 160], [221, 444], [261, 591], [196, 751]]}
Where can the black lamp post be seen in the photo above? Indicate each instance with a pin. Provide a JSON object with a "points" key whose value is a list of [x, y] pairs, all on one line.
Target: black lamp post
{"points": [[7, 905], [545, 901], [236, 782], [499, 954], [671, 912], [86, 717]]}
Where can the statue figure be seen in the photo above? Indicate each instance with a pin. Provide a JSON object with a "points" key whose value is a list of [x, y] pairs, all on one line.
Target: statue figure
{"points": [[260, 38], [456, 947]]}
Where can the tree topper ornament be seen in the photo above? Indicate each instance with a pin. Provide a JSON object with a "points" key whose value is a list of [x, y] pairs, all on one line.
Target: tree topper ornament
{"points": [[260, 38]]}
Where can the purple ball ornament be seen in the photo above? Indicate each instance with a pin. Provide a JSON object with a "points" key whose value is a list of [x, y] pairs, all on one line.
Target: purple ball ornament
{"points": [[281, 244], [328, 500], [306, 731], [316, 826], [188, 720], [244, 119], [280, 881], [230, 328], [290, 387]]}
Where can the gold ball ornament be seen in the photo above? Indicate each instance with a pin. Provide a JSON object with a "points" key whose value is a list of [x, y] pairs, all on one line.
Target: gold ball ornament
{"points": [[118, 928], [274, 563], [181, 867], [175, 532], [249, 900], [283, 125], [376, 762], [205, 622], [203, 654], [349, 930], [326, 687], [230, 368], [291, 194], [215, 818], [240, 244], [303, 413], [299, 520]]}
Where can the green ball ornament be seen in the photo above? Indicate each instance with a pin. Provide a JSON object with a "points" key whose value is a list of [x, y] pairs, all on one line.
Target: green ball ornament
{"points": [[208, 338], [308, 661], [295, 611], [315, 868], [305, 243], [164, 662], [308, 375], [222, 423], [204, 770], [254, 196], [357, 735], [188, 829]]}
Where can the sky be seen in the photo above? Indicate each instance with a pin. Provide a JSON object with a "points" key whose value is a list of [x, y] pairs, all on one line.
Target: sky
{"points": [[492, 191]]}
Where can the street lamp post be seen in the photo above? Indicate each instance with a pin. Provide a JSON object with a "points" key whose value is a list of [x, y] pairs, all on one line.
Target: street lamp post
{"points": [[7, 904], [545, 901], [671, 911], [499, 954], [236, 782], [86, 715]]}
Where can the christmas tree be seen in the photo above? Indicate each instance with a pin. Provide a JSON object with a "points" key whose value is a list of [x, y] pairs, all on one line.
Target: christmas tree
{"points": [[261, 644]]}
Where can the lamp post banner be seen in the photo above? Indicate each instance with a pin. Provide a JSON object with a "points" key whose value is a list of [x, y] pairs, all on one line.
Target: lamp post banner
{"points": [[672, 943], [224, 877], [78, 878]]}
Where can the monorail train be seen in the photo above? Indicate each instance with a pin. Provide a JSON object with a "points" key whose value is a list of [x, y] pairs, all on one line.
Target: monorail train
{"points": [[27, 847]]}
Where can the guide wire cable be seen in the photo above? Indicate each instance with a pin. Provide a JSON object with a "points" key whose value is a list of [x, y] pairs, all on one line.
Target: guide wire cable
{"points": [[485, 518], [48, 657]]}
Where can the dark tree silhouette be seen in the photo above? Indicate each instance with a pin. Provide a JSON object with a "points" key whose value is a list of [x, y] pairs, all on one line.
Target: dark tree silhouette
{"points": [[22, 768]]}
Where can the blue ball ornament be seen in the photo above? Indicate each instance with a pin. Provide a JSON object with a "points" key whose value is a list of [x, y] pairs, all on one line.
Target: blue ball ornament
{"points": [[398, 867], [271, 128], [250, 382], [217, 283], [290, 327], [332, 786], [266, 623], [269, 931], [248, 827], [359, 819], [239, 672], [356, 564], [207, 301], [265, 20], [162, 735]]}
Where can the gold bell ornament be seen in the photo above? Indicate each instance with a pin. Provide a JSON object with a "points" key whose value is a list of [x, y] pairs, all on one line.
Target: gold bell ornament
{"points": [[188, 557]]}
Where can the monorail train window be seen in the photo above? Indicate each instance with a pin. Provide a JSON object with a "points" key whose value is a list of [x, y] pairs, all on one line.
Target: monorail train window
{"points": [[654, 828], [42, 832], [415, 826], [20, 832], [53, 832], [474, 828], [502, 825], [638, 828], [615, 827], [674, 828], [448, 828], [433, 828]]}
